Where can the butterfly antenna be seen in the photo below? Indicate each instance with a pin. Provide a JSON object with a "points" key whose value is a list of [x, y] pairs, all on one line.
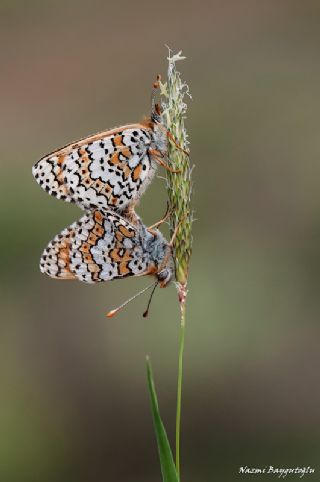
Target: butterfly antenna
{"points": [[155, 108], [145, 314], [112, 313]]}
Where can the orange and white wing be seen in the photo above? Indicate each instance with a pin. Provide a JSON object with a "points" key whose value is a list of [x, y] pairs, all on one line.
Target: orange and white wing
{"points": [[100, 247], [109, 170], [55, 259]]}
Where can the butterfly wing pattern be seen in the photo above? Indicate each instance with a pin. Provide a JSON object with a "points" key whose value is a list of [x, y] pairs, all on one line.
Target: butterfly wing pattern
{"points": [[106, 246], [55, 260], [105, 174], [108, 170]]}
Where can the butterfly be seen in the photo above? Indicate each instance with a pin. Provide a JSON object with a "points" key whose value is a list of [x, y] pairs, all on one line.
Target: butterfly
{"points": [[109, 170], [106, 246]]}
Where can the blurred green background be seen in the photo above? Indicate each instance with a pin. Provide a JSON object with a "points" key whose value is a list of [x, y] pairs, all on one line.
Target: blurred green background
{"points": [[74, 405]]}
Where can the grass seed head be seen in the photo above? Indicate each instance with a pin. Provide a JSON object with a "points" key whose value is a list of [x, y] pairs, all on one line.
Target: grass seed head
{"points": [[179, 185]]}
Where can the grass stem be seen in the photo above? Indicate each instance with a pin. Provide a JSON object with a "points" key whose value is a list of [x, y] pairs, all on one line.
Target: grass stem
{"points": [[179, 385]]}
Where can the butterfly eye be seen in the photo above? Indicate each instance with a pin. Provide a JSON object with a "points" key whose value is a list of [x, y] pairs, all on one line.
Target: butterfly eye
{"points": [[164, 277], [156, 117]]}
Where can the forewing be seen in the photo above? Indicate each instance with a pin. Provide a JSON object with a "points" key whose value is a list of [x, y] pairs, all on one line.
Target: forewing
{"points": [[106, 171]]}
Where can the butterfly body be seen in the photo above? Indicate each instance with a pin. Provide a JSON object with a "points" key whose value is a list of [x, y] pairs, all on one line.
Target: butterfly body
{"points": [[106, 246], [108, 170]]}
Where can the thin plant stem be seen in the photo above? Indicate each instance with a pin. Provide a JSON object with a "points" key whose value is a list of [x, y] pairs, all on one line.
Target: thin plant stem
{"points": [[179, 386]]}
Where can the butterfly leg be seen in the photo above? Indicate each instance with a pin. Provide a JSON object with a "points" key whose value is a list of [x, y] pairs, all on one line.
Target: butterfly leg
{"points": [[170, 136], [156, 155], [130, 214], [174, 235], [162, 220]]}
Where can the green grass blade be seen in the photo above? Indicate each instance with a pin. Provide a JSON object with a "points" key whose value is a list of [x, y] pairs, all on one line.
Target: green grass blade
{"points": [[169, 473]]}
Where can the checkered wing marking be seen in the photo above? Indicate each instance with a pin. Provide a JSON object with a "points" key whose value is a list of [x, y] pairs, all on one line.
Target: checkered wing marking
{"points": [[99, 247], [55, 259], [109, 170], [106, 247]]}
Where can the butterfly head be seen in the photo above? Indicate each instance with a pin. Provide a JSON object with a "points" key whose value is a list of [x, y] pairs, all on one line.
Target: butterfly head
{"points": [[165, 276], [165, 272], [160, 253]]}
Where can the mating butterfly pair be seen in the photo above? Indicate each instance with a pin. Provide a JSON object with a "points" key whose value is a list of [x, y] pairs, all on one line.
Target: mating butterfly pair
{"points": [[105, 174]]}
